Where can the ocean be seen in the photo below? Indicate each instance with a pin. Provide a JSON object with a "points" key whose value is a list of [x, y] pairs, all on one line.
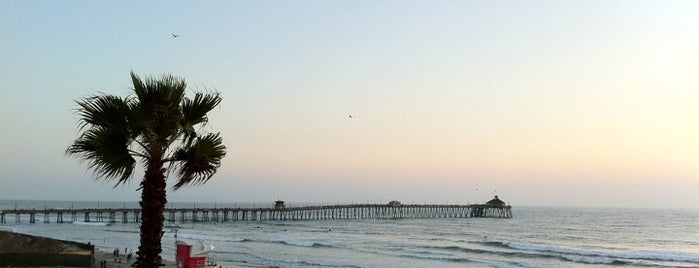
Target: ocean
{"points": [[534, 237]]}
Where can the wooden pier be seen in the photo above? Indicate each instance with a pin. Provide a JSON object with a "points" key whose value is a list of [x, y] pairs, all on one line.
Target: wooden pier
{"points": [[278, 213]]}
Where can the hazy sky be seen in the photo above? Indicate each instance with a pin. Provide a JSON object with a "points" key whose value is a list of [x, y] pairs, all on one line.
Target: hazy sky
{"points": [[571, 103]]}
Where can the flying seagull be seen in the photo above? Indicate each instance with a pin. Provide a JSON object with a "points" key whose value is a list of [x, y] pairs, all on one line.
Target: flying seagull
{"points": [[174, 35]]}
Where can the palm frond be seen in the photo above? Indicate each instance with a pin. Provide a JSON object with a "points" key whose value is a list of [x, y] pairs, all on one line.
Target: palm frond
{"points": [[194, 112], [159, 111], [198, 162], [158, 95], [107, 153], [103, 111]]}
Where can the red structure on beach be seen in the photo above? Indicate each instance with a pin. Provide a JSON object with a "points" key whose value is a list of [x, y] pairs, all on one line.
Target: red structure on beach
{"points": [[192, 257]]}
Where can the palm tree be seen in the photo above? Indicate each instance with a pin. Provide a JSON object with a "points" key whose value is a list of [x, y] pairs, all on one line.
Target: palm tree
{"points": [[158, 127]]}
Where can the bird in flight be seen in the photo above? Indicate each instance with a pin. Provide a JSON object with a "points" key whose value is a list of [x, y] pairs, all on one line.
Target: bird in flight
{"points": [[174, 35], [351, 116]]}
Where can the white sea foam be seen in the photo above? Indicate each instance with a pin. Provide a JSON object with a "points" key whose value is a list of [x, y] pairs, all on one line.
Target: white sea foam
{"points": [[529, 265], [200, 237], [607, 256], [91, 223], [589, 259], [299, 242]]}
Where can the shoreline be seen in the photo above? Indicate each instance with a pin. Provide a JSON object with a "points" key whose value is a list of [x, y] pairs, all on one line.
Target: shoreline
{"points": [[102, 253]]}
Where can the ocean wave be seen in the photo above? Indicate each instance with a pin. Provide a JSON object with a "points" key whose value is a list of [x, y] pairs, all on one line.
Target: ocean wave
{"points": [[134, 231], [289, 242], [306, 244], [463, 249], [592, 260], [313, 264], [91, 223], [569, 256], [525, 265], [494, 244], [200, 237], [296, 243], [598, 256], [503, 252], [429, 252], [268, 261], [444, 259]]}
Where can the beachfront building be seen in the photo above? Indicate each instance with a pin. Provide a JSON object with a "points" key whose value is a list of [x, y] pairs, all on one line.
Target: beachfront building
{"points": [[496, 202], [394, 204]]}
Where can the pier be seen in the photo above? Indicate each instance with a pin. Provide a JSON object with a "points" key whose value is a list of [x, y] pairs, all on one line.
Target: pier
{"points": [[393, 210]]}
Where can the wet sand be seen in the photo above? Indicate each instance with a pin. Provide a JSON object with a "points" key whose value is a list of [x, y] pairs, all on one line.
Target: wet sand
{"points": [[122, 262]]}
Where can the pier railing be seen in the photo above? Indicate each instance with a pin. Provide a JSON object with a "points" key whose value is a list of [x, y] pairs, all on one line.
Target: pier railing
{"points": [[332, 212]]}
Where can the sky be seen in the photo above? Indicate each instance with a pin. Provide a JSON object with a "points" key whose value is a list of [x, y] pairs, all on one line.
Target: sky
{"points": [[544, 103]]}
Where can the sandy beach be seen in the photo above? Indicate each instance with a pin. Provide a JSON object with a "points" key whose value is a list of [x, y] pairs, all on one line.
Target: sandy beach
{"points": [[122, 262], [102, 254]]}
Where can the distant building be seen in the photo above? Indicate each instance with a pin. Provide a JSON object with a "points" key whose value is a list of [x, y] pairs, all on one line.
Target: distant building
{"points": [[394, 204], [279, 204], [496, 202]]}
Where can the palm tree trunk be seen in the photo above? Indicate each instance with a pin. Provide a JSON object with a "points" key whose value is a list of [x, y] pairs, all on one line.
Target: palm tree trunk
{"points": [[153, 200]]}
